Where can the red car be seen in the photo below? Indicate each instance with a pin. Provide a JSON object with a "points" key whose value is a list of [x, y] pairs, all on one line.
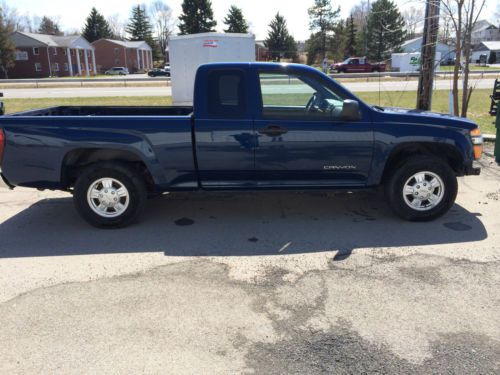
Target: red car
{"points": [[357, 65]]}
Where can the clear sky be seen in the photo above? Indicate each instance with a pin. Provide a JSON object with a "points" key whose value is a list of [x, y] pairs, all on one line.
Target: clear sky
{"points": [[72, 14]]}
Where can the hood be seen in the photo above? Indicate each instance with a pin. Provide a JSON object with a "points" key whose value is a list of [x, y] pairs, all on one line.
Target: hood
{"points": [[425, 117]]}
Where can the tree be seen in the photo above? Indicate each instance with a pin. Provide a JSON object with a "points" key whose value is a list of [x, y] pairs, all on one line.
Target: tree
{"points": [[197, 17], [386, 31], [139, 28], [360, 13], [279, 41], [49, 26], [235, 21], [116, 26], [96, 27], [164, 24], [412, 16], [322, 21], [463, 15], [7, 47], [351, 36]]}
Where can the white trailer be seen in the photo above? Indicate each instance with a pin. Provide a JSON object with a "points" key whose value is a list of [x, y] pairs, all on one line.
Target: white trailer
{"points": [[188, 52], [409, 62]]}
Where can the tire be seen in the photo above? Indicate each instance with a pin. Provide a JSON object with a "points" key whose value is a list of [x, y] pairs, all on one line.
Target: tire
{"points": [[114, 207], [416, 179]]}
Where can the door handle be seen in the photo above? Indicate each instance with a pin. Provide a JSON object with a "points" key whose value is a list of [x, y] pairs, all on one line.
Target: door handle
{"points": [[273, 131]]}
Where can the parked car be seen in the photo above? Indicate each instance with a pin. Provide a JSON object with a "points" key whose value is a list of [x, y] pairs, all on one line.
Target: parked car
{"points": [[159, 73], [118, 70], [357, 65], [253, 126]]}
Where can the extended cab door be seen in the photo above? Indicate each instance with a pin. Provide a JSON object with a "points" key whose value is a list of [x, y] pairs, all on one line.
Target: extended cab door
{"points": [[223, 128], [304, 138]]}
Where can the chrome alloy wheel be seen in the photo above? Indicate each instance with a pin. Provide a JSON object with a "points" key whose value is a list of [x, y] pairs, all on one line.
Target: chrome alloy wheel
{"points": [[108, 197], [423, 191]]}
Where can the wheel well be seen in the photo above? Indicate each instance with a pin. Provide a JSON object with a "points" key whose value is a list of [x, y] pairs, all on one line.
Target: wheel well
{"points": [[447, 153], [75, 160]]}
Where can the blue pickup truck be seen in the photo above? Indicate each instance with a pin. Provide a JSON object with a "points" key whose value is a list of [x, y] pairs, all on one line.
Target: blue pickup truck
{"points": [[253, 126]]}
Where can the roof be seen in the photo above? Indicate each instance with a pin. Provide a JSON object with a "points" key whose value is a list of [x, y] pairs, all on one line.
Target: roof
{"points": [[130, 44], [51, 40], [410, 41], [492, 46], [483, 25]]}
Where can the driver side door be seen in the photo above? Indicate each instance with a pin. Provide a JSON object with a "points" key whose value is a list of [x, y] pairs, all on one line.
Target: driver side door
{"points": [[301, 143]]}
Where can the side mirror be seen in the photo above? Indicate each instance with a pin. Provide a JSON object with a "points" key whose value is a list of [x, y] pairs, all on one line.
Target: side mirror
{"points": [[350, 110]]}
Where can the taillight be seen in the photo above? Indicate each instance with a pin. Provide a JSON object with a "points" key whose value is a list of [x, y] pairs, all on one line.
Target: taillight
{"points": [[2, 144], [477, 142]]}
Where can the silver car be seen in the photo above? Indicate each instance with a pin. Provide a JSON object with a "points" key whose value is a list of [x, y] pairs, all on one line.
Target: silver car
{"points": [[117, 70]]}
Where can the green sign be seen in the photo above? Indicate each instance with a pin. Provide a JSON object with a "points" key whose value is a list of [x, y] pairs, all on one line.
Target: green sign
{"points": [[414, 60]]}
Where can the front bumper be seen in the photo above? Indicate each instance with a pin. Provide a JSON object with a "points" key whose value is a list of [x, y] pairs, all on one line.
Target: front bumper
{"points": [[473, 169], [3, 182]]}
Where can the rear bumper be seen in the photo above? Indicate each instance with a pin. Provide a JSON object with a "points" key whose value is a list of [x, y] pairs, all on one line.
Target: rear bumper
{"points": [[472, 169], [4, 184]]}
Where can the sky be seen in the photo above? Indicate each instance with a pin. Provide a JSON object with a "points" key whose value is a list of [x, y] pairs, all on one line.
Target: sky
{"points": [[72, 14]]}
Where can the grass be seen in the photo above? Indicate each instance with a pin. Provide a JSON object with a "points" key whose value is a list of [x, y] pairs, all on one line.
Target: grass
{"points": [[478, 109], [472, 67]]}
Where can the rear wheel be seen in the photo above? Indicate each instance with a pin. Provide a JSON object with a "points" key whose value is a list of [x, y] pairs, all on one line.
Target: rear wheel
{"points": [[421, 189], [110, 195]]}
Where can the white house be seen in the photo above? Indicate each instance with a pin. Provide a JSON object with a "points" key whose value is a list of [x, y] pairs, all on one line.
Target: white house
{"points": [[484, 31], [486, 48], [415, 45]]}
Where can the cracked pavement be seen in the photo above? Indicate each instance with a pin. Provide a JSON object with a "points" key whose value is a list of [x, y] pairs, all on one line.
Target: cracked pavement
{"points": [[265, 283]]}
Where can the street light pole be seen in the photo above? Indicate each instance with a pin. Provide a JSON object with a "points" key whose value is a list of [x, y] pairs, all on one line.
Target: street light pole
{"points": [[427, 55]]}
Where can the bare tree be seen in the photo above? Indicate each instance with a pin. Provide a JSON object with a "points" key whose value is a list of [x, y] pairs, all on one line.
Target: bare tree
{"points": [[117, 26], [360, 13], [412, 16], [164, 24], [463, 15]]}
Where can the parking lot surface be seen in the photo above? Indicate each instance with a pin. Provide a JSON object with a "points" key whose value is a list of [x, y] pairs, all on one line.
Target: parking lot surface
{"points": [[265, 283]]}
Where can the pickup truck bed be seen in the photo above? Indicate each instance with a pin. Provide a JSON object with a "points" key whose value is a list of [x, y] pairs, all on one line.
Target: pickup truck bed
{"points": [[252, 126], [108, 111]]}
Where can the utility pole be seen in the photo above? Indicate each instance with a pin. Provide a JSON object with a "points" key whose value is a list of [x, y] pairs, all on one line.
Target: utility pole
{"points": [[427, 55]]}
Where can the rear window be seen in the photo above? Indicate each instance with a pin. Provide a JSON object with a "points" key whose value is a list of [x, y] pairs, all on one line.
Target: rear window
{"points": [[226, 94]]}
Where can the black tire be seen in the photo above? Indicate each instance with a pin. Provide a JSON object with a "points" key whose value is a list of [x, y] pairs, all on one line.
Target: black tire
{"points": [[395, 184], [126, 176]]}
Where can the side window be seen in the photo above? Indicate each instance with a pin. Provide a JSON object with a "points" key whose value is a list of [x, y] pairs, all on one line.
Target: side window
{"points": [[226, 94], [288, 96]]}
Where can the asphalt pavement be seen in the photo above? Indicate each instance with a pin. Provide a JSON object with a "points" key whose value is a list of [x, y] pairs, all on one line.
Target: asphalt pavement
{"points": [[266, 283]]}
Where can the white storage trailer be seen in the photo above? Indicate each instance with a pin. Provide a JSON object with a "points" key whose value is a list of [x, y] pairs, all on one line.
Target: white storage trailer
{"points": [[409, 62], [188, 52]]}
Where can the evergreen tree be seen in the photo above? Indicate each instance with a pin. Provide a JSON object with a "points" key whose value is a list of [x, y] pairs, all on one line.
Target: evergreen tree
{"points": [[338, 42], [386, 31], [96, 27], [322, 22], [7, 46], [235, 21], [139, 28], [279, 41], [351, 37], [49, 26], [197, 17]]}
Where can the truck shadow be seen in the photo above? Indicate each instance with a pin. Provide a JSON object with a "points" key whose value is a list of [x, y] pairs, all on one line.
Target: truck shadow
{"points": [[243, 224]]}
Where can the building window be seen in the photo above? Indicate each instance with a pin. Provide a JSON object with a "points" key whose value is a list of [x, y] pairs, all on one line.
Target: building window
{"points": [[117, 61], [36, 51], [116, 51], [21, 56], [72, 52], [38, 67], [90, 67], [64, 52], [66, 68], [55, 51], [55, 67]]}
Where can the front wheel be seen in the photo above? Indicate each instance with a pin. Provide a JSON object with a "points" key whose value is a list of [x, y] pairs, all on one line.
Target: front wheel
{"points": [[110, 195], [421, 189]]}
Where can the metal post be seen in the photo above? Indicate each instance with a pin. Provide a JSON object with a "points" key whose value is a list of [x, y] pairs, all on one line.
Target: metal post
{"points": [[428, 55], [497, 139]]}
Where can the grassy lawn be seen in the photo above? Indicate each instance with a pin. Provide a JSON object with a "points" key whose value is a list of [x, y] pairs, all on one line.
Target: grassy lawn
{"points": [[478, 110], [449, 68]]}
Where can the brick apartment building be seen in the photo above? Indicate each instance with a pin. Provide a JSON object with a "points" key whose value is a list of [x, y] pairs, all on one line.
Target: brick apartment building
{"points": [[41, 55], [135, 56]]}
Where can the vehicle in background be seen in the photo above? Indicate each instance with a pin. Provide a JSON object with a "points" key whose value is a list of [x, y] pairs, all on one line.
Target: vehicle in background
{"points": [[253, 126], [117, 70], [157, 72], [357, 65]]}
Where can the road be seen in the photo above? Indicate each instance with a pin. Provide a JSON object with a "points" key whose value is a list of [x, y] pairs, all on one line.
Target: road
{"points": [[64, 92], [266, 283]]}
